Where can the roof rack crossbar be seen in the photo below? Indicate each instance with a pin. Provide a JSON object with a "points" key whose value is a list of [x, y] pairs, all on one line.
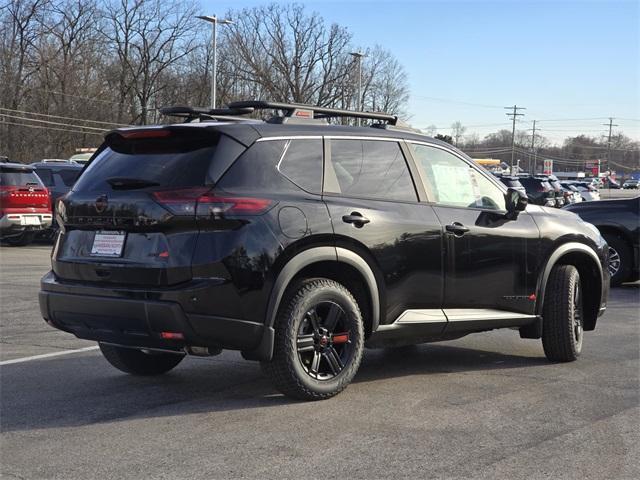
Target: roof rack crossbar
{"points": [[193, 113], [310, 111]]}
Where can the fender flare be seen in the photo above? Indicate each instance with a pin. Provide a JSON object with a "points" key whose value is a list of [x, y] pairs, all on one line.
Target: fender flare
{"points": [[321, 254], [264, 351], [562, 250]]}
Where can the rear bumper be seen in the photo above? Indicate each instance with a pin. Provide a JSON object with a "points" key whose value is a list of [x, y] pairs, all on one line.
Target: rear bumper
{"points": [[135, 318], [18, 222]]}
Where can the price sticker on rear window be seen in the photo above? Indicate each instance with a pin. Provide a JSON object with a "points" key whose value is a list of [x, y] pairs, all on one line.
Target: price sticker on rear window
{"points": [[108, 244]]}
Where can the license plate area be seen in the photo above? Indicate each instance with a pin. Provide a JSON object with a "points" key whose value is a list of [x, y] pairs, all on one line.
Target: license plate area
{"points": [[108, 244], [30, 220]]}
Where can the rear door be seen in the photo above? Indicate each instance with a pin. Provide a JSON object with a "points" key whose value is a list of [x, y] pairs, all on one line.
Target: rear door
{"points": [[130, 217], [375, 211], [489, 259]]}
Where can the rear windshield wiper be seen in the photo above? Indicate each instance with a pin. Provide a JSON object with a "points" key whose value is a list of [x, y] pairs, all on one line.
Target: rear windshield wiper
{"points": [[119, 183]]}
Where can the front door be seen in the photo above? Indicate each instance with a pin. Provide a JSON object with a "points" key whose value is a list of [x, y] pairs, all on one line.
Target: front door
{"points": [[489, 259]]}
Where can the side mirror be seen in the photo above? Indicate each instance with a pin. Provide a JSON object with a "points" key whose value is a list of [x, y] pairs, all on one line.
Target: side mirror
{"points": [[516, 202]]}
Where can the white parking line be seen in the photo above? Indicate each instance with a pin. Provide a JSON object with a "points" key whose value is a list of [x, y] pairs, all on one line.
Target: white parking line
{"points": [[48, 355]]}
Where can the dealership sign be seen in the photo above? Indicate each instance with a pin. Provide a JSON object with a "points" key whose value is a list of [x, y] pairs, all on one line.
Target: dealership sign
{"points": [[547, 166]]}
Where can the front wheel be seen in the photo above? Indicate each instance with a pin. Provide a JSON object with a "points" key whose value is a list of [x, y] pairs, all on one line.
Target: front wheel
{"points": [[562, 316], [139, 362], [319, 341]]}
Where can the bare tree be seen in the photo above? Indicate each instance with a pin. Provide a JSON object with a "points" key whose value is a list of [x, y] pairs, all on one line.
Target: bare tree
{"points": [[19, 29], [150, 37], [457, 131]]}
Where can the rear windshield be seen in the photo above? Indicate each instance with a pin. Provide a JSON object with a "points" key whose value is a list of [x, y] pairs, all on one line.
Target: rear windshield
{"points": [[164, 163], [13, 178]]}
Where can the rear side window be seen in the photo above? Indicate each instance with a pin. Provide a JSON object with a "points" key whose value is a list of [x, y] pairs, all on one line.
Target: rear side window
{"points": [[16, 178], [369, 168], [302, 164]]}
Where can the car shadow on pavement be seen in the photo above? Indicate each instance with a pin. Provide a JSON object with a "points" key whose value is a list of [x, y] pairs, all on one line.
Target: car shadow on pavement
{"points": [[434, 358], [85, 390]]}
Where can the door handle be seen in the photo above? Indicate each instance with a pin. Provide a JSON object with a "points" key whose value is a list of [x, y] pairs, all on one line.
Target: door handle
{"points": [[457, 229], [356, 218]]}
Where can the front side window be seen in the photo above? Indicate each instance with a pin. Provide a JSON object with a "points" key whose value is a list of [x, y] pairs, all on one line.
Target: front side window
{"points": [[371, 169], [449, 180]]}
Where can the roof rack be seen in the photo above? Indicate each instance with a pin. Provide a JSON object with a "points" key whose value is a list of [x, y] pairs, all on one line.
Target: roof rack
{"points": [[293, 113], [310, 112], [201, 113]]}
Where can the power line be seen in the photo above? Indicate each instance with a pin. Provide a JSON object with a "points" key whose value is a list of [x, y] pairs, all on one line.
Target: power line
{"points": [[460, 102], [48, 122], [60, 116], [4, 122]]}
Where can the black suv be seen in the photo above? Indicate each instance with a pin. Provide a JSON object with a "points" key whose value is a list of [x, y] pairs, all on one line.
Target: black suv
{"points": [[539, 191], [298, 243]]}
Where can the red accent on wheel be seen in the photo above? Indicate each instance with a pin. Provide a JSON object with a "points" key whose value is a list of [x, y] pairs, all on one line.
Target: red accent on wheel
{"points": [[341, 337]]}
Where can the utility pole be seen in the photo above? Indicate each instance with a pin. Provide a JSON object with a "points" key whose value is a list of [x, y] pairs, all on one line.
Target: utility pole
{"points": [[358, 56], [513, 133], [610, 125], [533, 149]]}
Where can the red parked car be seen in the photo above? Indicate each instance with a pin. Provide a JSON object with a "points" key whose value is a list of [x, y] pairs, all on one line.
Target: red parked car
{"points": [[25, 205]]}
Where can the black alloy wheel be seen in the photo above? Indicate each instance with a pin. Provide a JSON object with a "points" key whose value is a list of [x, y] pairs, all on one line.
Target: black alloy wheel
{"points": [[620, 256], [319, 340], [323, 343]]}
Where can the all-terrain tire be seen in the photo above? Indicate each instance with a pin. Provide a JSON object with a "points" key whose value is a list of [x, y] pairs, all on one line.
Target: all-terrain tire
{"points": [[561, 334], [137, 362], [286, 370]]}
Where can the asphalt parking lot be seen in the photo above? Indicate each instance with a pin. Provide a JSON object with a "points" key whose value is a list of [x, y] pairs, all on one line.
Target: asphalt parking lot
{"points": [[486, 406]]}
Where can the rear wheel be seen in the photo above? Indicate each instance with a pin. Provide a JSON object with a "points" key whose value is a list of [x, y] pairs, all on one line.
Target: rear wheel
{"points": [[25, 238], [619, 259], [139, 362], [562, 322], [319, 341]]}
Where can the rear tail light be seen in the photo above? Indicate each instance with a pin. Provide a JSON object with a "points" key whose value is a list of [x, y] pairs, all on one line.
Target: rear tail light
{"points": [[141, 134], [205, 202], [24, 196]]}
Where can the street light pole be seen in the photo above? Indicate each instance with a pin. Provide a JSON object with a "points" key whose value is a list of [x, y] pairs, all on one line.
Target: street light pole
{"points": [[214, 47], [358, 56]]}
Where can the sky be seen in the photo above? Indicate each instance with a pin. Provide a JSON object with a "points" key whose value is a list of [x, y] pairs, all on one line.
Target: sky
{"points": [[571, 64]]}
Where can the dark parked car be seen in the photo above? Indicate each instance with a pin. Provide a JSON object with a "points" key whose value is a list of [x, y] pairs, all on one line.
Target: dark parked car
{"points": [[557, 188], [298, 242], [571, 193], [539, 191], [25, 207], [512, 182], [619, 223], [58, 177]]}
